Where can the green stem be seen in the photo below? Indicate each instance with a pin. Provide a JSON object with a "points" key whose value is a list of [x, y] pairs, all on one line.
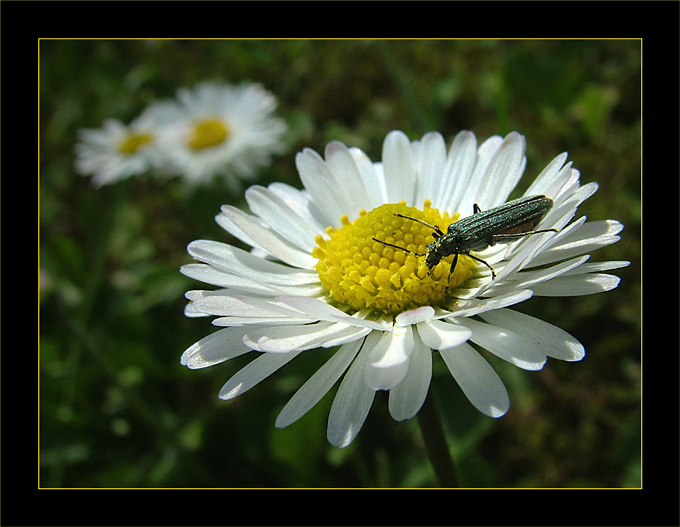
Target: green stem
{"points": [[435, 443]]}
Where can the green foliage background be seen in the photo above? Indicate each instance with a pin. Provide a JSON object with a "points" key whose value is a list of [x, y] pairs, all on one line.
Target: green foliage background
{"points": [[116, 407]]}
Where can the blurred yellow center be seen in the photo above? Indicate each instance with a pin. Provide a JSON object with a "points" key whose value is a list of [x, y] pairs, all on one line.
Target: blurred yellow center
{"points": [[359, 272], [207, 133], [134, 142]]}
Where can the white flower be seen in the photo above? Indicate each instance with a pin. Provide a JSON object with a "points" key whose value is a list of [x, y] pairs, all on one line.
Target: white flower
{"points": [[117, 151], [222, 130], [317, 277]]}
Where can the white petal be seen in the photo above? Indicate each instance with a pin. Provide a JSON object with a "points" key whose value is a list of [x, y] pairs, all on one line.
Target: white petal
{"points": [[257, 321], [468, 308], [566, 181], [348, 183], [281, 218], [317, 179], [353, 400], [563, 211], [519, 255], [546, 178], [374, 181], [284, 339], [224, 221], [318, 384], [344, 334], [266, 239], [503, 173], [215, 348], [533, 279], [211, 275], [262, 306], [414, 316], [301, 203], [409, 395], [587, 237], [430, 157], [308, 336], [592, 267], [578, 285], [190, 311], [400, 171], [485, 154], [195, 294], [233, 259], [320, 310], [478, 380], [228, 305], [257, 310], [460, 163], [388, 362], [254, 372], [556, 241], [438, 334], [506, 344], [581, 193], [554, 342]]}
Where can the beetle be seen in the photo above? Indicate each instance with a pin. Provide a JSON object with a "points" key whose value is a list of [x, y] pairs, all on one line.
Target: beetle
{"points": [[505, 223]]}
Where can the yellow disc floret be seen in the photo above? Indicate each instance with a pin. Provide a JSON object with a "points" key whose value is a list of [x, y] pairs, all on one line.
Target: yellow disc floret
{"points": [[359, 272], [207, 133], [133, 142]]}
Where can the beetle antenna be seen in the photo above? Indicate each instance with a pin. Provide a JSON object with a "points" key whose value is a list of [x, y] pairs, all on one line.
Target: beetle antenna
{"points": [[397, 247], [436, 229]]}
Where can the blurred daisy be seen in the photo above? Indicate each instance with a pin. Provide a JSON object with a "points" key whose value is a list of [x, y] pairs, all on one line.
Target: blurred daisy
{"points": [[117, 151], [317, 277], [223, 130]]}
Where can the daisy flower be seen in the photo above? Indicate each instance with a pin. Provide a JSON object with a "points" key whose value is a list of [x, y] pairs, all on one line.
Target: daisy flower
{"points": [[117, 151], [319, 275], [223, 130]]}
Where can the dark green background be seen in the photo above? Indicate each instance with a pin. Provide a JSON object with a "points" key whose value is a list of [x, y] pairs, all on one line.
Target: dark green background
{"points": [[116, 407]]}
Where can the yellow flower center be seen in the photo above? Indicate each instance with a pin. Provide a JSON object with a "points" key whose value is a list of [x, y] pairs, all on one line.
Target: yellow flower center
{"points": [[134, 142], [359, 272], [207, 133]]}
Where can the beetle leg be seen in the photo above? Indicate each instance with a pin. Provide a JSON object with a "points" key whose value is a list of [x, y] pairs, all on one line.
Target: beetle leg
{"points": [[510, 237], [493, 273], [453, 268]]}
